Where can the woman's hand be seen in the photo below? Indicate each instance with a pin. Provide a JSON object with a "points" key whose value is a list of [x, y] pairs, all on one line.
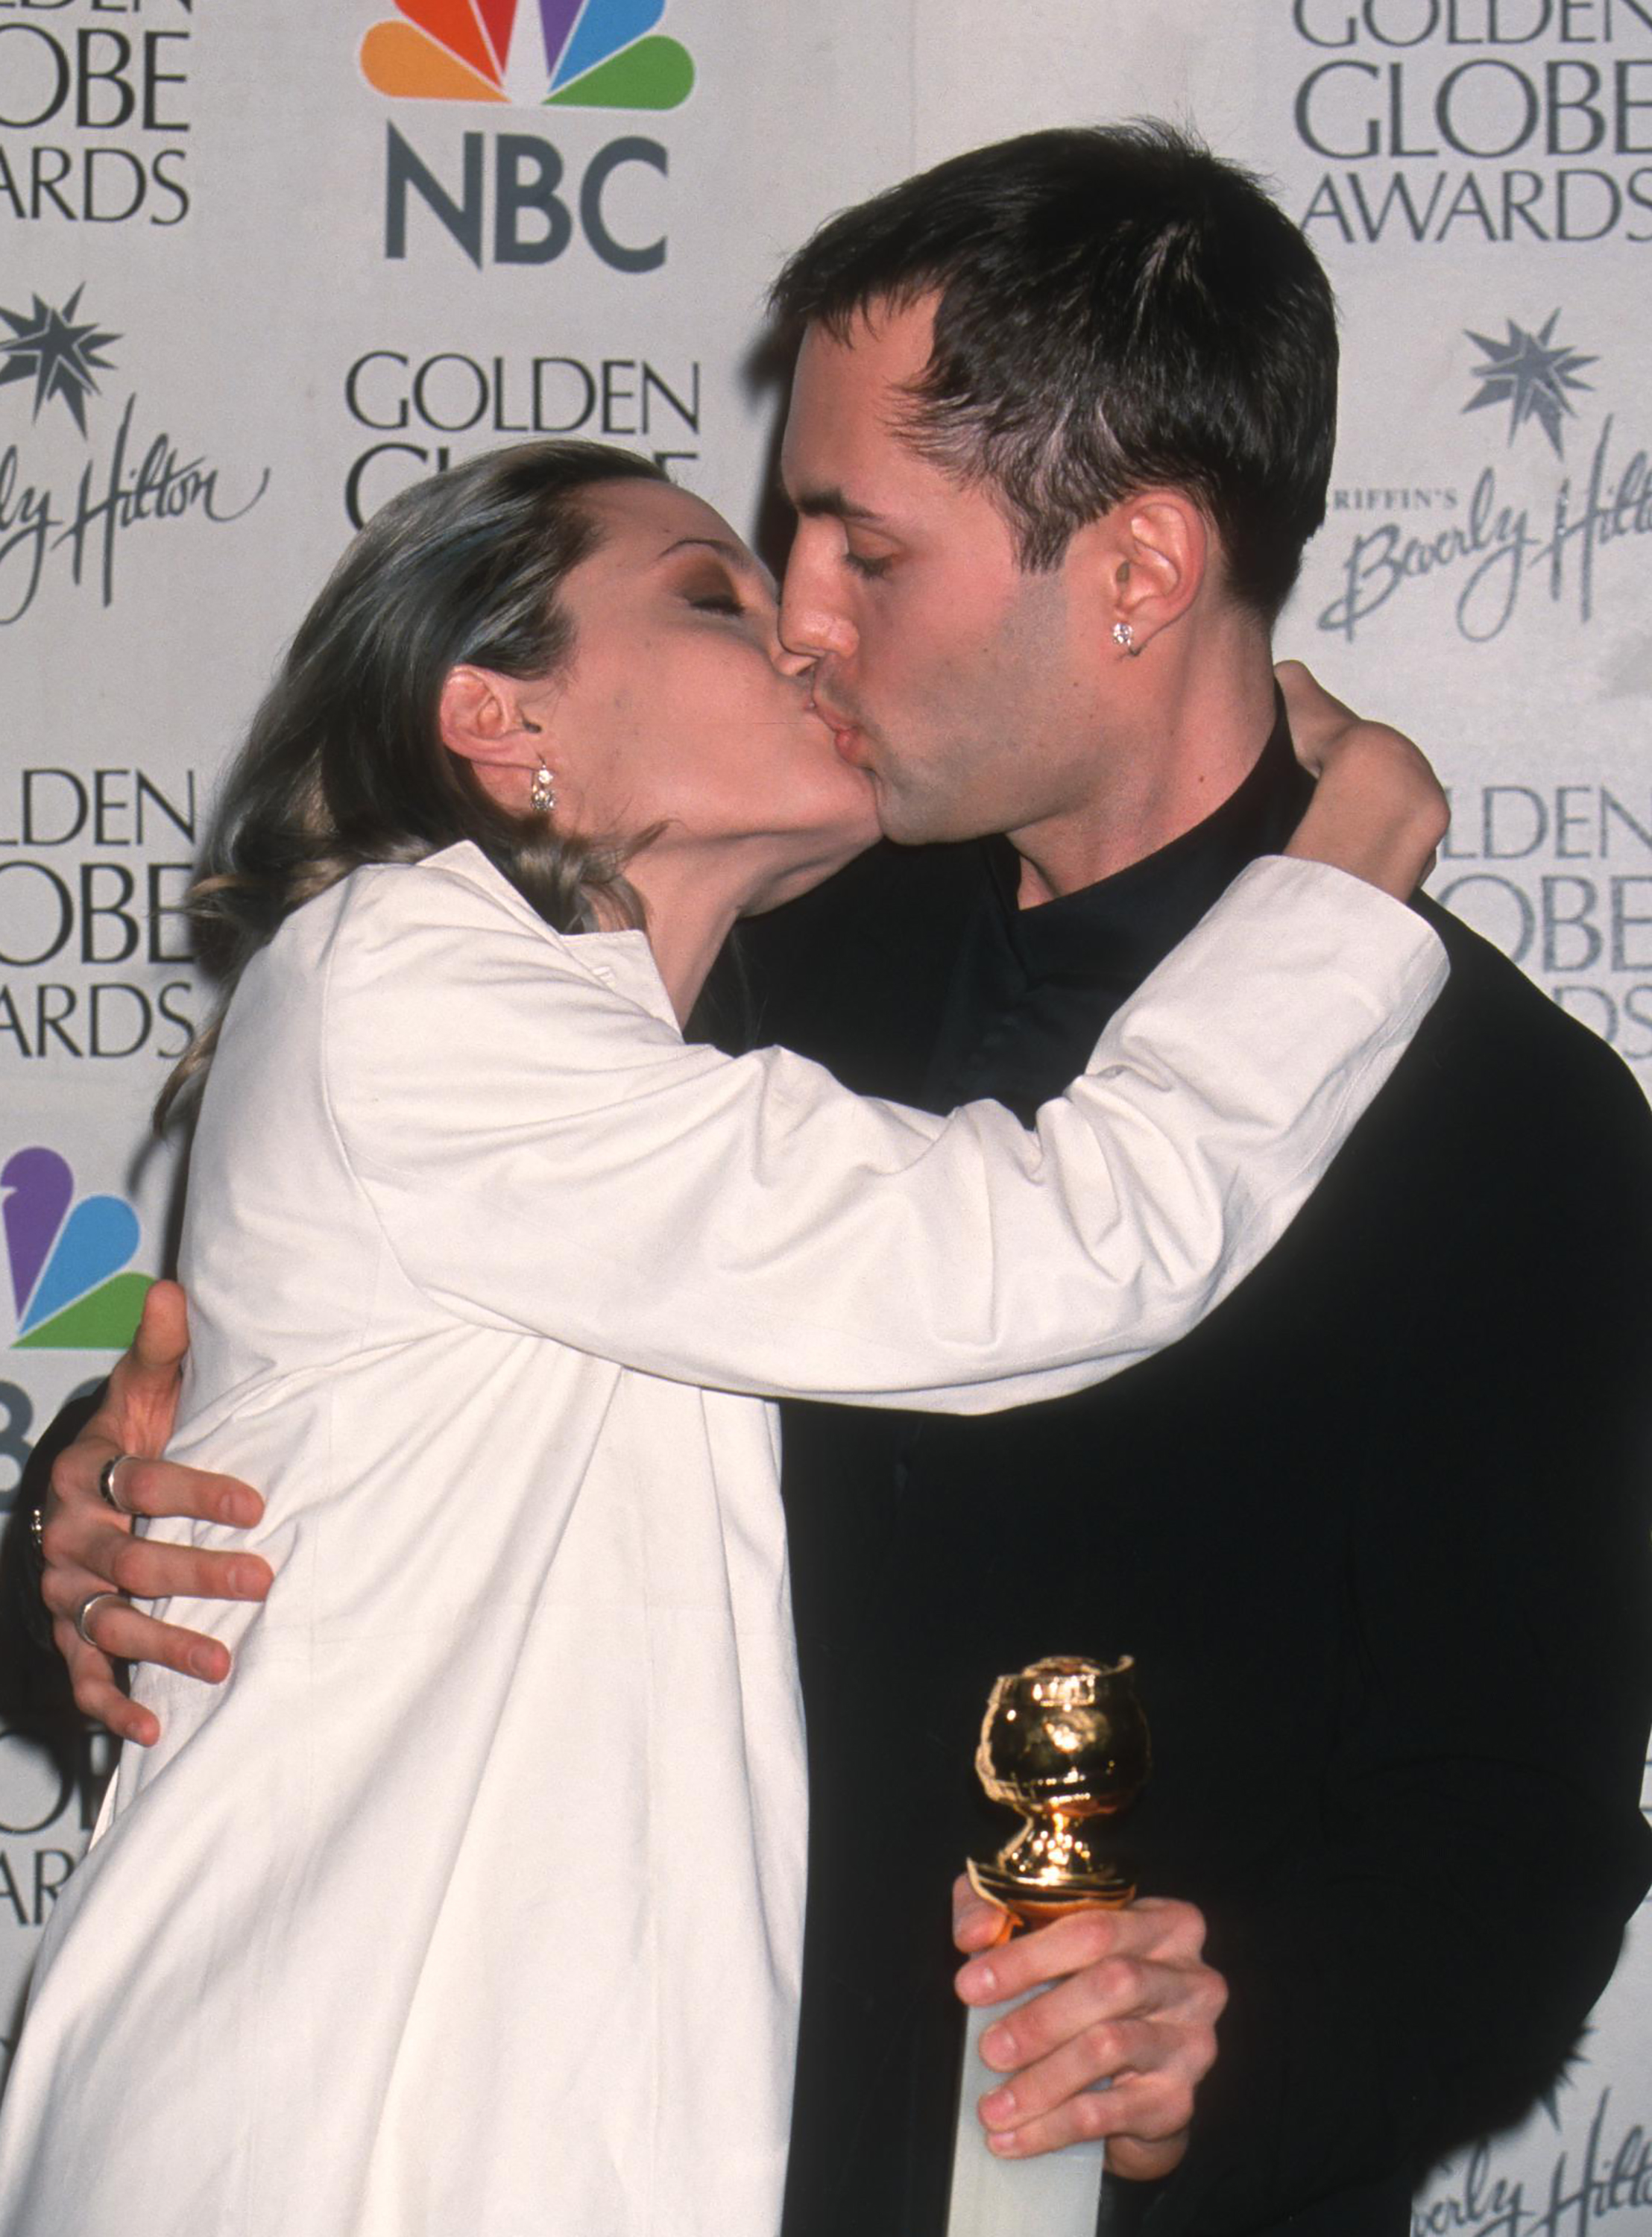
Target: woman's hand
{"points": [[1379, 810], [89, 1548]]}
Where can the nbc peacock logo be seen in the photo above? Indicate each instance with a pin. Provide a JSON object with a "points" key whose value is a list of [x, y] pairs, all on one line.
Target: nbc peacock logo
{"points": [[67, 1258], [532, 54]]}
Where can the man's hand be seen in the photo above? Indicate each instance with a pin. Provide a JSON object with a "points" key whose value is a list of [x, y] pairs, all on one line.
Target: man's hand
{"points": [[89, 1548], [1135, 2006]]}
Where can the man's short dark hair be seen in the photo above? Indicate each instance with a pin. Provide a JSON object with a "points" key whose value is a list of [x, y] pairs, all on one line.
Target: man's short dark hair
{"points": [[1117, 310]]}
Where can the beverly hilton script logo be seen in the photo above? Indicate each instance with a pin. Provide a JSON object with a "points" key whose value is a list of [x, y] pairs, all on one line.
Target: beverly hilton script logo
{"points": [[1556, 539], [1594, 2169], [121, 487]]}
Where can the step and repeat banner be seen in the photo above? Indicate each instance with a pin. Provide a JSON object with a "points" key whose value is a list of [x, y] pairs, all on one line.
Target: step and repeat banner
{"points": [[260, 266]]}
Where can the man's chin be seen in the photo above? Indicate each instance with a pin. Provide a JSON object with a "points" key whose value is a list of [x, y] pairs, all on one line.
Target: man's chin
{"points": [[899, 819], [916, 823]]}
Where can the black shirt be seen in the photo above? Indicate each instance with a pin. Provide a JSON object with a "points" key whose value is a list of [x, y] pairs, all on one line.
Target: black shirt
{"points": [[1376, 1533]]}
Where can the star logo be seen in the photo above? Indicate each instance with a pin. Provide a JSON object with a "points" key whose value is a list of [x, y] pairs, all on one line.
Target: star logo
{"points": [[60, 358], [1575, 2058], [1533, 380]]}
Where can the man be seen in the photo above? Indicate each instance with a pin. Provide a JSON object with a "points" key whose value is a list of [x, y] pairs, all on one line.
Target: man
{"points": [[1375, 1533]]}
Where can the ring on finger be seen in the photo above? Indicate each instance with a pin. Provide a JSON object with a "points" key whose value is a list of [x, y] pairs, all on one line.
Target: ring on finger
{"points": [[85, 1609], [106, 1483]]}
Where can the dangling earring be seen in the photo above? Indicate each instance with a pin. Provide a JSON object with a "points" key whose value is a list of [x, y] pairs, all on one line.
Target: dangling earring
{"points": [[542, 796], [1123, 637]]}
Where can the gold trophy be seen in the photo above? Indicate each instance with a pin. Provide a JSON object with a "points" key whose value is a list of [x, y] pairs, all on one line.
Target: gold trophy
{"points": [[1064, 1744]]}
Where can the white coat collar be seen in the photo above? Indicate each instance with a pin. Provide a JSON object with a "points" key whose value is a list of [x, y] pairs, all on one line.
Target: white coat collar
{"points": [[623, 960]]}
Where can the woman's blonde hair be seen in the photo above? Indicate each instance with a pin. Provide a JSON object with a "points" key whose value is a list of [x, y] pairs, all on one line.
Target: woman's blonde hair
{"points": [[344, 762]]}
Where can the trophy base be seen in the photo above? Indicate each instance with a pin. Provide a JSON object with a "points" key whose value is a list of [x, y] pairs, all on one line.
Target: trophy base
{"points": [[1055, 2196], [1034, 1903]]}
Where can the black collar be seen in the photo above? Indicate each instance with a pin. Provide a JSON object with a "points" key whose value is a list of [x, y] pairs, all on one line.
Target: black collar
{"points": [[1032, 988], [1131, 921]]}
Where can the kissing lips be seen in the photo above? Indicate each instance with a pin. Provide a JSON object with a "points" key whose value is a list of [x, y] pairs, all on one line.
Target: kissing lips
{"points": [[846, 736]]}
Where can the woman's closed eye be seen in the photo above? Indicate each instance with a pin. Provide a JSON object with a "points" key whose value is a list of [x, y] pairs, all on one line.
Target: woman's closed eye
{"points": [[707, 586]]}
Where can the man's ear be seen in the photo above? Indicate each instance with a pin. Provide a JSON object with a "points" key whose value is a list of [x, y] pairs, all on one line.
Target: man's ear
{"points": [[1146, 561]]}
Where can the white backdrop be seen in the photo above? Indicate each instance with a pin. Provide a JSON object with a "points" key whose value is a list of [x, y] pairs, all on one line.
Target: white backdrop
{"points": [[260, 265]]}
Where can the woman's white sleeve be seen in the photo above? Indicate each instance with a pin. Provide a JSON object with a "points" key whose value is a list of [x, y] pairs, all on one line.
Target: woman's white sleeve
{"points": [[545, 1155]]}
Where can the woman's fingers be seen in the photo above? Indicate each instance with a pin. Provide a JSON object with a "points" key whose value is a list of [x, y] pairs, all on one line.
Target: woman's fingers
{"points": [[1315, 715]]}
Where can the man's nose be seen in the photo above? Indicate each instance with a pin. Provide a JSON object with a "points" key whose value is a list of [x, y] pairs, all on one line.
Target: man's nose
{"points": [[812, 623]]}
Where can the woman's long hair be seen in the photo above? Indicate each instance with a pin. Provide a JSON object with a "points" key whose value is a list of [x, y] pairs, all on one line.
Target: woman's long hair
{"points": [[344, 762]]}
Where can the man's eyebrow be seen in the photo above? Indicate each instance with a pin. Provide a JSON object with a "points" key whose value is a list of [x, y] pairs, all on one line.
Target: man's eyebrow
{"points": [[833, 504]]}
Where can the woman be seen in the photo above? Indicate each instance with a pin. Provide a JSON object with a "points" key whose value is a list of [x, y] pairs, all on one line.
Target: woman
{"points": [[422, 1922]]}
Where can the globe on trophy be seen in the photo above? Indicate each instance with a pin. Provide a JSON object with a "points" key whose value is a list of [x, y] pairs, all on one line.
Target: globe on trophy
{"points": [[1063, 1744]]}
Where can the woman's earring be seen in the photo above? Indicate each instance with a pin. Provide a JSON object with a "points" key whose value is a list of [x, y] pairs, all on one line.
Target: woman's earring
{"points": [[542, 796], [1123, 637]]}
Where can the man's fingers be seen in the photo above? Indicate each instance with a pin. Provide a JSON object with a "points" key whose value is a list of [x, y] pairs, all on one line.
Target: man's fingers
{"points": [[163, 1488], [82, 1555], [1144, 2125], [1124, 2001], [976, 1924], [120, 1633], [98, 1697], [140, 1398], [1151, 1927], [1112, 1989], [162, 1338], [1131, 2082], [1140, 2161], [150, 1569], [75, 1472], [1085, 2119], [1125, 2077], [150, 1487], [81, 1551], [91, 1675]]}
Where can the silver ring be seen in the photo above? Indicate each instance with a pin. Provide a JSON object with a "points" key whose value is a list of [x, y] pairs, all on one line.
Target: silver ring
{"points": [[106, 1483], [86, 1607]]}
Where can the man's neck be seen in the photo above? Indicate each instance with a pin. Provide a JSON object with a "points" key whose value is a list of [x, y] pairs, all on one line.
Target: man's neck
{"points": [[1187, 745]]}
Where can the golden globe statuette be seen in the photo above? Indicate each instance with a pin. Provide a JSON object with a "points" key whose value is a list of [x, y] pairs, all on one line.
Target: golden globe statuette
{"points": [[1064, 1744]]}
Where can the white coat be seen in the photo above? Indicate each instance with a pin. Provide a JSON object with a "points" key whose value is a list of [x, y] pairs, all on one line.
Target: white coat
{"points": [[470, 1906]]}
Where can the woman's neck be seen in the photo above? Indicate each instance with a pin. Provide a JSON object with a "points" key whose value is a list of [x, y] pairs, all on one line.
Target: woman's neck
{"points": [[695, 895], [686, 919]]}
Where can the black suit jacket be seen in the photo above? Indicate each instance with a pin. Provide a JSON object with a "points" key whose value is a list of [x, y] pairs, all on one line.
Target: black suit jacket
{"points": [[1377, 1535]]}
